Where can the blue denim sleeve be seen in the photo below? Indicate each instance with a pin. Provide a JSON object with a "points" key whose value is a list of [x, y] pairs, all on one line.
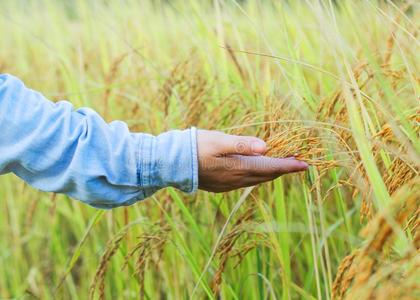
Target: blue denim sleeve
{"points": [[55, 148]]}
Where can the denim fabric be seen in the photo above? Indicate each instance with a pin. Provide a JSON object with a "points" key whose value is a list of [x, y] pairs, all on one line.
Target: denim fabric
{"points": [[58, 149]]}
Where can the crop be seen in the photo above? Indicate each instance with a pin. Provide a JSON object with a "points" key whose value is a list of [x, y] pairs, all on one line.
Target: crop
{"points": [[334, 83]]}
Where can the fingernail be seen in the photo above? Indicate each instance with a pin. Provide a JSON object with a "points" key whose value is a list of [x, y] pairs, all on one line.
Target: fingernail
{"points": [[259, 147], [304, 165]]}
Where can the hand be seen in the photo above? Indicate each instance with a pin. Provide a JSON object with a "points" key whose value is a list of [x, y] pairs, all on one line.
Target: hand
{"points": [[228, 162]]}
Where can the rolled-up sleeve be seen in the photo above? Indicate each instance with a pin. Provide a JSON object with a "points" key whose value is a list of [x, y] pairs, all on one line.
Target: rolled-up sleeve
{"points": [[55, 148]]}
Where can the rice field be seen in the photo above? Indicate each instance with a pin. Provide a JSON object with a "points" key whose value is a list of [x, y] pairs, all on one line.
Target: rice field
{"points": [[335, 83]]}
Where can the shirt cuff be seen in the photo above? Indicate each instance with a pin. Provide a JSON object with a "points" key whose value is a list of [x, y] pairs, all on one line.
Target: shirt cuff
{"points": [[169, 159]]}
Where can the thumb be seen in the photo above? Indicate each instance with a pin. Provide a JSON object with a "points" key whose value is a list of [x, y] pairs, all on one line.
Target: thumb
{"points": [[242, 145]]}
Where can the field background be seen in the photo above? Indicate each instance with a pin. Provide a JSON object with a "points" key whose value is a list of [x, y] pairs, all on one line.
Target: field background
{"points": [[337, 85]]}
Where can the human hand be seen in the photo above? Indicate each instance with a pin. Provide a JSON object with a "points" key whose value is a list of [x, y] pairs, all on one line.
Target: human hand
{"points": [[228, 162]]}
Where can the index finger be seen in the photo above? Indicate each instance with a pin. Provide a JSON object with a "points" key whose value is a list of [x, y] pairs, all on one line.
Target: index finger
{"points": [[268, 166]]}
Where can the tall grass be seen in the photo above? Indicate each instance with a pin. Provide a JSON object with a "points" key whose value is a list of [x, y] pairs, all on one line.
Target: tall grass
{"points": [[338, 86]]}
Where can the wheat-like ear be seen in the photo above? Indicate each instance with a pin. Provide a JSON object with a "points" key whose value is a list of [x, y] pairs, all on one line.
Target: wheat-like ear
{"points": [[356, 271], [99, 278], [148, 244], [228, 247], [110, 78], [344, 276]]}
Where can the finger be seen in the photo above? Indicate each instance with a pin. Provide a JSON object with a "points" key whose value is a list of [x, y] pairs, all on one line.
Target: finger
{"points": [[243, 145], [264, 166]]}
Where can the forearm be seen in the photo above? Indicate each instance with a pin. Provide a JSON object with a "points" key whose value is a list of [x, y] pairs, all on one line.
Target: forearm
{"points": [[54, 148]]}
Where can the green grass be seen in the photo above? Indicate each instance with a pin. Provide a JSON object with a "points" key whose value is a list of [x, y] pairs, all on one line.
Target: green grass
{"points": [[117, 57]]}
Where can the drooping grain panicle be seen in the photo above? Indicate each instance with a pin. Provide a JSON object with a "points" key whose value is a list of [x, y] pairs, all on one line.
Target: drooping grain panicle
{"points": [[148, 245], [367, 271], [99, 279], [229, 248]]}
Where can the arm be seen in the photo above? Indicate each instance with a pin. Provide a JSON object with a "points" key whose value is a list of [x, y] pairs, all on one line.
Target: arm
{"points": [[55, 148]]}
